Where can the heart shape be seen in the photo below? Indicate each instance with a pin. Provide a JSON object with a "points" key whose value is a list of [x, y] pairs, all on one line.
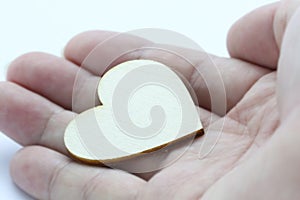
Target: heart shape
{"points": [[145, 107]]}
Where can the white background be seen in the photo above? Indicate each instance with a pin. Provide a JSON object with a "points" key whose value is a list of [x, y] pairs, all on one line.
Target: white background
{"points": [[46, 25]]}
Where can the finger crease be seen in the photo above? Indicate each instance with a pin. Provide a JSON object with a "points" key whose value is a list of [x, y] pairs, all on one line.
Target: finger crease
{"points": [[90, 185], [54, 177], [47, 125]]}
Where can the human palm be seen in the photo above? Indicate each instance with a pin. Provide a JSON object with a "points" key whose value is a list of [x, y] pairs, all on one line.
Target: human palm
{"points": [[255, 146]]}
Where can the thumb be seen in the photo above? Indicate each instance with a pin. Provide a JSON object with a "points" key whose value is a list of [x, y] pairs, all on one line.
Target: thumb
{"points": [[289, 67], [273, 173], [282, 17]]}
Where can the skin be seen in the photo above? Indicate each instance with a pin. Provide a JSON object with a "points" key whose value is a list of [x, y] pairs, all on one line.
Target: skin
{"points": [[256, 157]]}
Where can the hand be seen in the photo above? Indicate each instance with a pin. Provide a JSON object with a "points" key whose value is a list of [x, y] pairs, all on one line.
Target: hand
{"points": [[255, 158]]}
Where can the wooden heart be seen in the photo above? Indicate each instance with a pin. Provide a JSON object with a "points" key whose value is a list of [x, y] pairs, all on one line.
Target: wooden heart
{"points": [[145, 106]]}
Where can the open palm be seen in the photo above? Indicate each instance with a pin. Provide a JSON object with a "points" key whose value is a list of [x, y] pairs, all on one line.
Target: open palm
{"points": [[255, 152]]}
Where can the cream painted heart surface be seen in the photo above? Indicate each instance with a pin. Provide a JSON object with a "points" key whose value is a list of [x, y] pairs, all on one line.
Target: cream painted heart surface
{"points": [[145, 107]]}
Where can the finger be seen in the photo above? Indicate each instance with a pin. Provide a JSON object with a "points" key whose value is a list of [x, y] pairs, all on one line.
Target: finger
{"points": [[31, 119], [82, 44], [46, 174], [257, 37], [289, 71], [252, 37], [54, 78], [211, 68]]}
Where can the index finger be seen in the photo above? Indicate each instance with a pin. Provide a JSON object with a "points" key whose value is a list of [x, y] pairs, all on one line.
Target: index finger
{"points": [[252, 37], [198, 68]]}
